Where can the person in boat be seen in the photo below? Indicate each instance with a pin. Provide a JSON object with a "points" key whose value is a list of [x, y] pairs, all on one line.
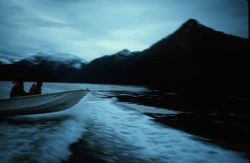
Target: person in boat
{"points": [[36, 88], [18, 89]]}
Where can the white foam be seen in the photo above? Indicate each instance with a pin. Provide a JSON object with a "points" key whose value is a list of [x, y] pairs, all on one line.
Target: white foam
{"points": [[120, 130]]}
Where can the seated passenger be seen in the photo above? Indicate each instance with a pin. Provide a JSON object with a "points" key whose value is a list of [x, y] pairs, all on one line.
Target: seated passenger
{"points": [[36, 88], [18, 89]]}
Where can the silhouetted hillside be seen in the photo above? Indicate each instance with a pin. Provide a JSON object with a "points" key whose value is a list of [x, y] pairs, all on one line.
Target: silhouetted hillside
{"points": [[46, 67], [15, 72], [117, 68], [193, 61], [194, 53]]}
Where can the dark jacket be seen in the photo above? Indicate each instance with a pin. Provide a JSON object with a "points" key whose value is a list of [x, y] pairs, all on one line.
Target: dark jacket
{"points": [[17, 91], [35, 90]]}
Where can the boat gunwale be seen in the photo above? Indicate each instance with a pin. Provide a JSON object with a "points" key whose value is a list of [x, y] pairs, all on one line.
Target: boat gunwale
{"points": [[30, 96]]}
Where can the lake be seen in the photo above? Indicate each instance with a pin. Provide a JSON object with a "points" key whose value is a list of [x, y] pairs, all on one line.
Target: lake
{"points": [[118, 124]]}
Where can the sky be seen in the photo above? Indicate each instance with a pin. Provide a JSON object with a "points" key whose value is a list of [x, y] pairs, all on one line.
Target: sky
{"points": [[93, 28]]}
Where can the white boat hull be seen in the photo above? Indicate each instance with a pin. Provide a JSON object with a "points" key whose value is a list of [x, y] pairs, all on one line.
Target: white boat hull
{"points": [[38, 104]]}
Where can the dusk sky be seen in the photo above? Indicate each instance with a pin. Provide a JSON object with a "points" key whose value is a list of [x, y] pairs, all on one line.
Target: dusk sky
{"points": [[92, 28]]}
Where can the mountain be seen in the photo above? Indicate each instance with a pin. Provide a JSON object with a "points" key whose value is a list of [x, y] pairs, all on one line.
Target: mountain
{"points": [[54, 60], [125, 52], [7, 60], [194, 61], [196, 53], [111, 68], [42, 66]]}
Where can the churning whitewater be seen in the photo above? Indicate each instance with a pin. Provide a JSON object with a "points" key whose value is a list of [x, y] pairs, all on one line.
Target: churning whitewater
{"points": [[113, 131]]}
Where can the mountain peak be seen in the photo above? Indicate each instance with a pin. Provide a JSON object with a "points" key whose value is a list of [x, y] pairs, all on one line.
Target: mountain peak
{"points": [[191, 22], [8, 59], [58, 57], [124, 52], [191, 28], [55, 59], [190, 25], [185, 34]]}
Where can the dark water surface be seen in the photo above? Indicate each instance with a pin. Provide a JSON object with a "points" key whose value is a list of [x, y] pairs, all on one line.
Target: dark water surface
{"points": [[122, 124]]}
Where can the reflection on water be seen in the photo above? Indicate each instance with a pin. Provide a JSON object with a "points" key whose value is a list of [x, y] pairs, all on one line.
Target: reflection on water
{"points": [[121, 124], [146, 97]]}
